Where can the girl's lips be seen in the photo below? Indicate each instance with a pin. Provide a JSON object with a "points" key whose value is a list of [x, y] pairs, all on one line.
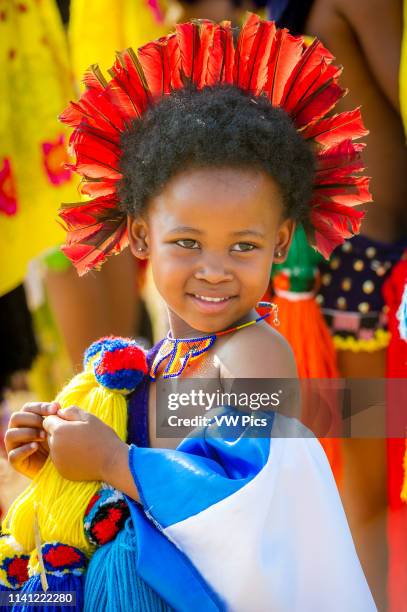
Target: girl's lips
{"points": [[211, 307]]}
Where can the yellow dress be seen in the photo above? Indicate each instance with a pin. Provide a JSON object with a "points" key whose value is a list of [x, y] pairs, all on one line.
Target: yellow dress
{"points": [[35, 85], [99, 28]]}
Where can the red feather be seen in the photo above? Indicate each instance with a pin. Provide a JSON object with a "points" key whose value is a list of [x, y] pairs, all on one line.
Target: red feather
{"points": [[321, 96], [96, 187], [220, 69], [75, 113], [340, 155], [188, 36], [257, 70], [94, 230], [322, 103], [79, 215], [304, 73], [332, 131], [332, 224], [85, 130], [155, 63], [350, 190], [205, 52], [97, 110], [330, 175], [244, 47], [214, 62], [101, 155], [285, 55], [160, 62], [174, 59], [128, 88], [94, 79], [72, 115]]}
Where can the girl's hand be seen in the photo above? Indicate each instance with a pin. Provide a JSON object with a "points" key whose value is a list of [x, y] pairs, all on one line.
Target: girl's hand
{"points": [[25, 439], [81, 445]]}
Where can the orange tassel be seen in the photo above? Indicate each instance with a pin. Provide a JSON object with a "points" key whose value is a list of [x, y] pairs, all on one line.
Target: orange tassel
{"points": [[303, 326]]}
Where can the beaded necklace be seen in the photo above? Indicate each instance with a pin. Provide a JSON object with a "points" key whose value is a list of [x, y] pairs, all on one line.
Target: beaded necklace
{"points": [[181, 351]]}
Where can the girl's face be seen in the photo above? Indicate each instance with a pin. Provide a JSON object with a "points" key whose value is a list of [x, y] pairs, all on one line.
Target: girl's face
{"points": [[211, 236]]}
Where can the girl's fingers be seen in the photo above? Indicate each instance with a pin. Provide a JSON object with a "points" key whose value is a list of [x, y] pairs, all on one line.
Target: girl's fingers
{"points": [[25, 419], [42, 408], [18, 455], [15, 438], [52, 423]]}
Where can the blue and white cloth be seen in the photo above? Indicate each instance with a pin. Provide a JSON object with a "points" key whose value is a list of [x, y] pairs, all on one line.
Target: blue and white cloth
{"points": [[248, 524]]}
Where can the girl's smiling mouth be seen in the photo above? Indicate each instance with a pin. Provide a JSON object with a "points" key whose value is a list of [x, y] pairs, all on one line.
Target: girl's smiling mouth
{"points": [[211, 304]]}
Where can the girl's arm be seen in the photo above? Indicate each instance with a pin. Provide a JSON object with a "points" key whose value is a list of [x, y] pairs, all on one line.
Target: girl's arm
{"points": [[117, 472]]}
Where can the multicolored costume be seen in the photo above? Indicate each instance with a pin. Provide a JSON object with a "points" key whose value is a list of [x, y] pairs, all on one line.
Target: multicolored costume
{"points": [[360, 296], [351, 293], [210, 502], [35, 83], [219, 495], [56, 524]]}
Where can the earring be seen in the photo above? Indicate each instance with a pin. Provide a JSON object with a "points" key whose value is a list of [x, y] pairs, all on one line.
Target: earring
{"points": [[279, 254], [270, 306], [276, 320], [140, 249]]}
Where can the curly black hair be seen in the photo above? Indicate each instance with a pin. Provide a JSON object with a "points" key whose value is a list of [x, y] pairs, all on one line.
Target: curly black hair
{"points": [[217, 126]]}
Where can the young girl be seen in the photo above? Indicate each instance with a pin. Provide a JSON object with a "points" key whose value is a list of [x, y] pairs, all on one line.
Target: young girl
{"points": [[195, 166]]}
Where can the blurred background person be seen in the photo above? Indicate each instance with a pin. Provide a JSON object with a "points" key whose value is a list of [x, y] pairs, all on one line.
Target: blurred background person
{"points": [[218, 10], [35, 83], [365, 38]]}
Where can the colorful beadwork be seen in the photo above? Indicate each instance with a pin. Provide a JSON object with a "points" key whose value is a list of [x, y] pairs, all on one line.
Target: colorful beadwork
{"points": [[181, 351]]}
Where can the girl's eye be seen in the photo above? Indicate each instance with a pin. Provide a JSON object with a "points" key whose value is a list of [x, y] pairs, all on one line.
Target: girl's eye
{"points": [[243, 247], [188, 244]]}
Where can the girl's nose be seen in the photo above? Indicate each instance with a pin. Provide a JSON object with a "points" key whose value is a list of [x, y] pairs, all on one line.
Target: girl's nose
{"points": [[213, 270]]}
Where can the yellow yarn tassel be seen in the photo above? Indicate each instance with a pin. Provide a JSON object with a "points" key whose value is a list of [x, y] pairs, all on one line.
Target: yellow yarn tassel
{"points": [[61, 503]]}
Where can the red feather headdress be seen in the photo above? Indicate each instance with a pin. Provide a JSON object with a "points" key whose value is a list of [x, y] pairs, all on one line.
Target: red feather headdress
{"points": [[265, 61]]}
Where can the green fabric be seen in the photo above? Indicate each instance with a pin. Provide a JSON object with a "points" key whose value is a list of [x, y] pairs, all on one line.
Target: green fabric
{"points": [[56, 260], [301, 264]]}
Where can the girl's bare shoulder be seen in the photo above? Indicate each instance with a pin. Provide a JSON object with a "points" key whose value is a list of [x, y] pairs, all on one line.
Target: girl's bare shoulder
{"points": [[258, 351]]}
